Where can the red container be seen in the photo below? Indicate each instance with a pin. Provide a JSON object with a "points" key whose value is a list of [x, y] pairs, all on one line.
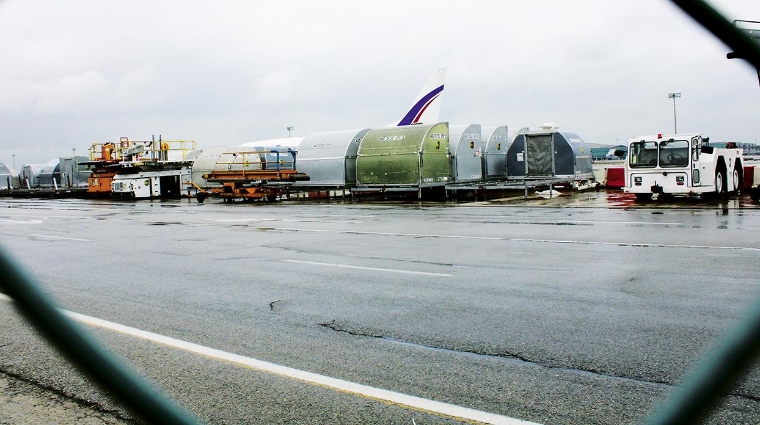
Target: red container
{"points": [[616, 177], [749, 176]]}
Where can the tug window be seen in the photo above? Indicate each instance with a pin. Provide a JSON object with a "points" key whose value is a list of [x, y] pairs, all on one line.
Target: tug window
{"points": [[643, 155], [674, 153], [696, 147]]}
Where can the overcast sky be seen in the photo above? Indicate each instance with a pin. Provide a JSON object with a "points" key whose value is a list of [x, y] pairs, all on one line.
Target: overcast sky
{"points": [[225, 73]]}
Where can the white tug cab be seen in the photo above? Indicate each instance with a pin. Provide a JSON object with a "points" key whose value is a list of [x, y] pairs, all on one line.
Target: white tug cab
{"points": [[681, 164]]}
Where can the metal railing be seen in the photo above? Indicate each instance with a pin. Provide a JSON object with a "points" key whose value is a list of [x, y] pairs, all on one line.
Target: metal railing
{"points": [[142, 150]]}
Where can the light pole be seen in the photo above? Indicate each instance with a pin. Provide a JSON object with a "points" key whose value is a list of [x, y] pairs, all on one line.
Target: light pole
{"points": [[74, 171], [674, 96], [289, 130], [14, 162]]}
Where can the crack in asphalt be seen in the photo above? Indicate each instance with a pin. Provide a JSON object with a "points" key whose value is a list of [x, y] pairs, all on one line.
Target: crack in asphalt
{"points": [[333, 325], [529, 240], [337, 328], [89, 404]]}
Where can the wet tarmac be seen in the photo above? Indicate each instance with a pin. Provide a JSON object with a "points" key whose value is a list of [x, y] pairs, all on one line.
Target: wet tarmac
{"points": [[582, 308]]}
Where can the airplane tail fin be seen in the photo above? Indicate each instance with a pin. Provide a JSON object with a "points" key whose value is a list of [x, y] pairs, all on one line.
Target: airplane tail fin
{"points": [[426, 107]]}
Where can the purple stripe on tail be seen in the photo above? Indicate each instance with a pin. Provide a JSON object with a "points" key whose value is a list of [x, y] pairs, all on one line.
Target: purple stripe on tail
{"points": [[419, 107], [422, 111]]}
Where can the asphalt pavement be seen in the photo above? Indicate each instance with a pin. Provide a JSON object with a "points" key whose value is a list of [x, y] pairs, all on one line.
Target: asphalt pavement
{"points": [[23, 403], [583, 308]]}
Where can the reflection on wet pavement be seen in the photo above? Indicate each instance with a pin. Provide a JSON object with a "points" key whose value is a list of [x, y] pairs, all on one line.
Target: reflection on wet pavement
{"points": [[620, 199]]}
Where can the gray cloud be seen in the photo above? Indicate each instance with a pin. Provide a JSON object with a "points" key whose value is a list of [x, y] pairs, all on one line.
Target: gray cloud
{"points": [[225, 73]]}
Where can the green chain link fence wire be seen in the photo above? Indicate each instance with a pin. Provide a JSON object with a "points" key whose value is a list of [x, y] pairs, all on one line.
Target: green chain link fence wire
{"points": [[86, 353], [701, 390]]}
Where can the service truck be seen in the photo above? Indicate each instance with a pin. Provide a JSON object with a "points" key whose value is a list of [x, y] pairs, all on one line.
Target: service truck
{"points": [[681, 164]]}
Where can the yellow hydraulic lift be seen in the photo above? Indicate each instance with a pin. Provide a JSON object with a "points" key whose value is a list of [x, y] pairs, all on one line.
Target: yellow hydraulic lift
{"points": [[107, 159]]}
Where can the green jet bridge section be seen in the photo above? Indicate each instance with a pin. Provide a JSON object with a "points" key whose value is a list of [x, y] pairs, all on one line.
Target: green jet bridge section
{"points": [[701, 390], [404, 158]]}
